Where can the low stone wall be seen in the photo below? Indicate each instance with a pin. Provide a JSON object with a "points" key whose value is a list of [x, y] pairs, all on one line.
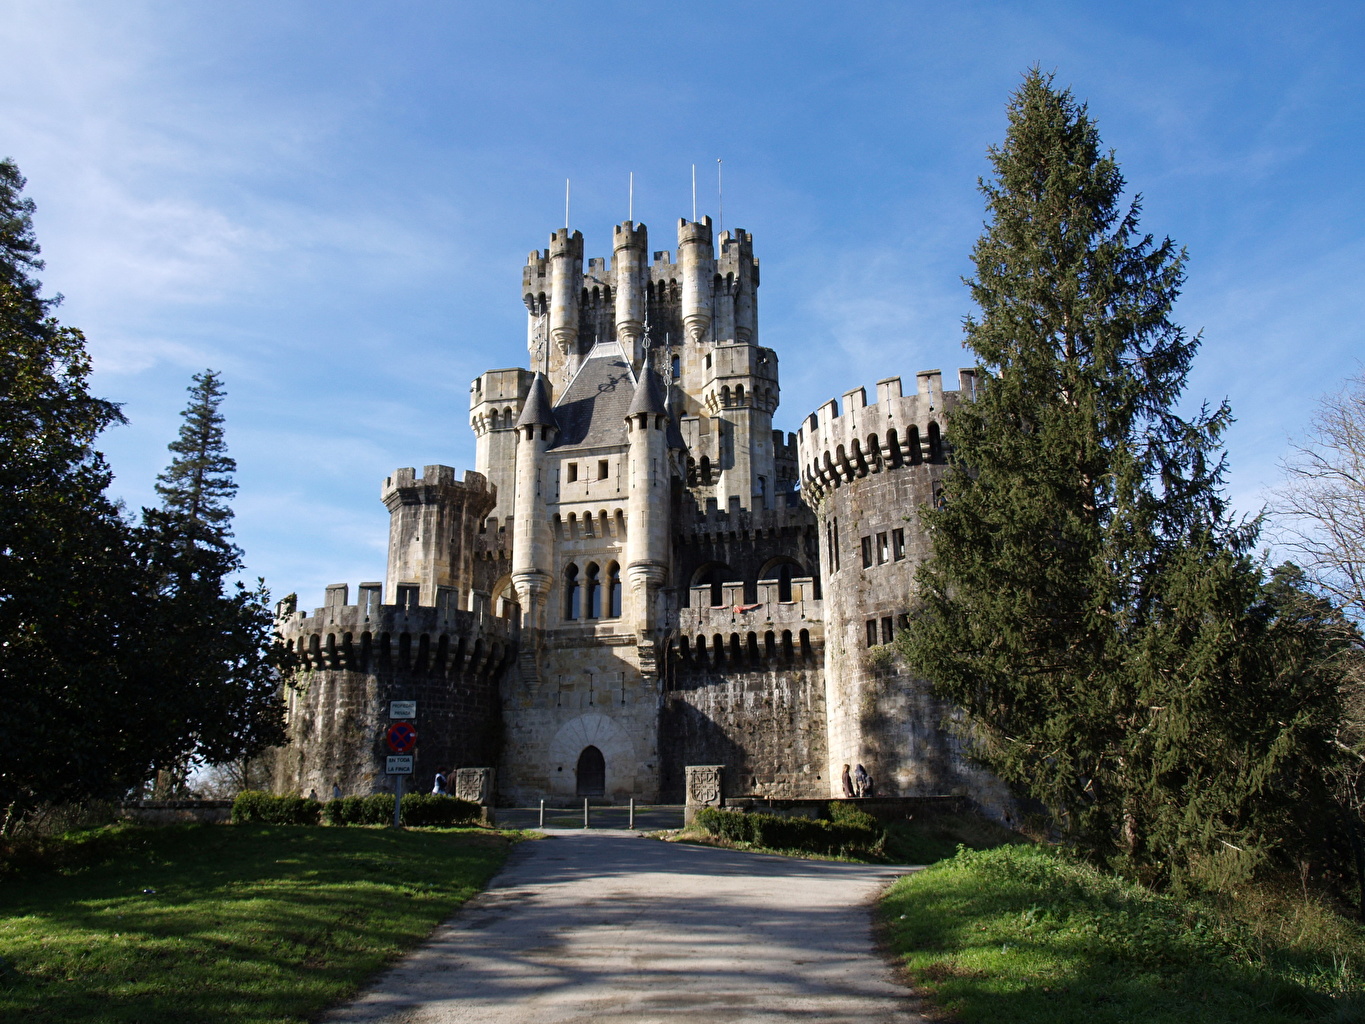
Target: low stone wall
{"points": [[172, 812]]}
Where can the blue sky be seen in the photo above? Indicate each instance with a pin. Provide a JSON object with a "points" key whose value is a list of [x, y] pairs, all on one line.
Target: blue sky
{"points": [[330, 203]]}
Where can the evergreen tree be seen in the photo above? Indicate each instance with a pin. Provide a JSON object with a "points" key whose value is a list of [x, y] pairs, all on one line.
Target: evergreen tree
{"points": [[217, 637], [198, 484], [72, 595], [1087, 601]]}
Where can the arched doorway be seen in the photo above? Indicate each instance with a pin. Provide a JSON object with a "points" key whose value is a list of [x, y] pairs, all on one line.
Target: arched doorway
{"points": [[592, 773]]}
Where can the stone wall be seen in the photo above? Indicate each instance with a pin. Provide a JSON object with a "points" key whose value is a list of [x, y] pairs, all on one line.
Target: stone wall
{"points": [[764, 723]]}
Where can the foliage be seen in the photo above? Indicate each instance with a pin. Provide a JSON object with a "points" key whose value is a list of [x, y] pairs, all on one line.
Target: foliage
{"points": [[121, 651], [1088, 602], [779, 832], [1321, 506], [197, 485], [417, 809], [258, 808], [1021, 933], [241, 925]]}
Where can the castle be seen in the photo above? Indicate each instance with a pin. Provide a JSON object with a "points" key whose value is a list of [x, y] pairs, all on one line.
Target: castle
{"points": [[641, 574]]}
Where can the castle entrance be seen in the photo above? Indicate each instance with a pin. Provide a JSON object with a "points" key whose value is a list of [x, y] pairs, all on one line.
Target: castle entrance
{"points": [[592, 773]]}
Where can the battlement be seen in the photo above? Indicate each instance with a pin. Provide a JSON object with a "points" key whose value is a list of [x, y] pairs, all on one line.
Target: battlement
{"points": [[897, 430], [695, 232], [629, 234], [713, 521], [565, 243], [437, 483]]}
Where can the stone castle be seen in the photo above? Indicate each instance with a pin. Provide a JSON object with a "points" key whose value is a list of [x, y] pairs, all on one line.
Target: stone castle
{"points": [[641, 574]]}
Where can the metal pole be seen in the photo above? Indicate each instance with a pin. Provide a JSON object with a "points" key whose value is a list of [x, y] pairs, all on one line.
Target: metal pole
{"points": [[398, 801], [542, 814], [585, 812], [632, 812]]}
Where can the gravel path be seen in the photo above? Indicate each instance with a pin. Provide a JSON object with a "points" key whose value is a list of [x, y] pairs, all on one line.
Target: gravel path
{"points": [[607, 926]]}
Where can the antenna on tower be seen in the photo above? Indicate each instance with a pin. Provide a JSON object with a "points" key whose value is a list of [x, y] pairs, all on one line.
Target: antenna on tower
{"points": [[566, 204], [720, 198], [694, 193], [630, 210]]}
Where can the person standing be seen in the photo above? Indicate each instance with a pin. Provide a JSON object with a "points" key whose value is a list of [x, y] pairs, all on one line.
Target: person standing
{"points": [[861, 782], [847, 780]]}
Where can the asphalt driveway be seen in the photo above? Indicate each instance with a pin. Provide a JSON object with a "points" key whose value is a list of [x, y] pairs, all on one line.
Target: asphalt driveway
{"points": [[607, 926]]}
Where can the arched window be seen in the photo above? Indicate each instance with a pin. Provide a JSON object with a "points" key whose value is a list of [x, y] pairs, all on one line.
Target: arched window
{"points": [[593, 605], [935, 443], [705, 471], [592, 773], [613, 591], [571, 597]]}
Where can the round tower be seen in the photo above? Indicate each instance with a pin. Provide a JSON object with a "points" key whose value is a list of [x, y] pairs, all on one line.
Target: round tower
{"points": [[531, 545], [630, 264], [696, 257], [566, 282], [647, 534]]}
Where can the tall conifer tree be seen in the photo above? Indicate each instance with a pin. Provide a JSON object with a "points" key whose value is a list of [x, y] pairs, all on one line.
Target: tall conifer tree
{"points": [[198, 484], [1087, 602]]}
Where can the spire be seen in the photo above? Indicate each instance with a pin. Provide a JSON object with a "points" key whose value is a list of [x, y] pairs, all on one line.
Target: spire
{"points": [[537, 409], [647, 400]]}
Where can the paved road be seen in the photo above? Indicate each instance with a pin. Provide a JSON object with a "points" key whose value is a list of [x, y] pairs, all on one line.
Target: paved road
{"points": [[607, 926]]}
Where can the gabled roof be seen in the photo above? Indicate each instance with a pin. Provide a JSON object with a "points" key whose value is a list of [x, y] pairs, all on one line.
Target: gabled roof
{"points": [[592, 410]]}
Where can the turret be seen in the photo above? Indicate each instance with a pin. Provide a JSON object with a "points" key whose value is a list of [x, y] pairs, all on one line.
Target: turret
{"points": [[496, 399], [647, 534], [566, 282], [738, 270], [630, 265], [530, 529], [696, 257], [433, 521]]}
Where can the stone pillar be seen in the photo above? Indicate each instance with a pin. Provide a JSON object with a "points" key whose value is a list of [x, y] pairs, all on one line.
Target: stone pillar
{"points": [[477, 786], [704, 788]]}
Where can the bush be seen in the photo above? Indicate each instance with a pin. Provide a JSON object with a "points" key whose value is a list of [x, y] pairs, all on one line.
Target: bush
{"points": [[437, 809], [776, 832], [255, 807], [418, 809]]}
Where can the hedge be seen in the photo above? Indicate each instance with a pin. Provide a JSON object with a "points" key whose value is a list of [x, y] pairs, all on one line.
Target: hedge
{"points": [[254, 807], [418, 809], [849, 835]]}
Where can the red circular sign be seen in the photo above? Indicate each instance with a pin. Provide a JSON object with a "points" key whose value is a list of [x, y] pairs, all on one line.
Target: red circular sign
{"points": [[402, 737]]}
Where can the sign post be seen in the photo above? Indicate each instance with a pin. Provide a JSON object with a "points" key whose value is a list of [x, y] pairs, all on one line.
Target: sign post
{"points": [[401, 738]]}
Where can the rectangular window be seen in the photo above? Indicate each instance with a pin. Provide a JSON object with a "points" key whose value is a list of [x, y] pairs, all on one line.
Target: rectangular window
{"points": [[834, 548], [677, 368], [867, 552], [898, 544], [872, 632], [573, 472], [883, 549], [603, 468], [888, 631], [708, 360]]}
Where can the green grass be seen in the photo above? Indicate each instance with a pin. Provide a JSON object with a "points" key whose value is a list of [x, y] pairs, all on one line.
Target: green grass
{"points": [[1018, 934], [246, 923]]}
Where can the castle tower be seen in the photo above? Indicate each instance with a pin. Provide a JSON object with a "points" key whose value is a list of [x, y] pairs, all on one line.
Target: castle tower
{"points": [[531, 543], [496, 399], [565, 257], [648, 531], [433, 522], [696, 257], [630, 262]]}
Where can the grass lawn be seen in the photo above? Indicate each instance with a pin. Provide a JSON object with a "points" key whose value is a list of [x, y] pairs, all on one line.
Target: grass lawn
{"points": [[232, 923], [1016, 935]]}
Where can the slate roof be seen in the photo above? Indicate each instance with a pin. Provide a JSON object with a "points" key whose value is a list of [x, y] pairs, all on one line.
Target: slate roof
{"points": [[647, 398], [536, 411], [592, 411]]}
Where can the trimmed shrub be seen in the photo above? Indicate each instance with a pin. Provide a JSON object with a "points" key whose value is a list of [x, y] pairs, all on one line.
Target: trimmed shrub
{"points": [[437, 809], [852, 815], [253, 807], [777, 832], [418, 809]]}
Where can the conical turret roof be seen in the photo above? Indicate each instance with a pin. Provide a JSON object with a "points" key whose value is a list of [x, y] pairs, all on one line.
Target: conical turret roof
{"points": [[537, 410], [648, 399]]}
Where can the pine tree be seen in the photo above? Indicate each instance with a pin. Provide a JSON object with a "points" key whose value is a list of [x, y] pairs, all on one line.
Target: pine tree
{"points": [[197, 486], [1088, 603]]}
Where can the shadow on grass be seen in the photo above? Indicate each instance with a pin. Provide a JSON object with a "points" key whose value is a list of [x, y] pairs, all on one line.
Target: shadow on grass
{"points": [[228, 923], [1017, 934]]}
